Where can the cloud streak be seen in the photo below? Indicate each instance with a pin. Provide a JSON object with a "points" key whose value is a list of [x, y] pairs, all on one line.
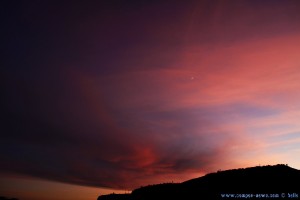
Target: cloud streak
{"points": [[114, 108]]}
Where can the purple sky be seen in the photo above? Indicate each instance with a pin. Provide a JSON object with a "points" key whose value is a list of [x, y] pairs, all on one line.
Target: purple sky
{"points": [[116, 95]]}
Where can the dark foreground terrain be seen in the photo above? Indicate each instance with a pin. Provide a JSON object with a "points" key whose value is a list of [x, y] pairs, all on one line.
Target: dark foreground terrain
{"points": [[5, 198], [266, 182]]}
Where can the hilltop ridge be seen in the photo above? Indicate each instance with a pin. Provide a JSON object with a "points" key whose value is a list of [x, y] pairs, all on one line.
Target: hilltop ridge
{"points": [[270, 179]]}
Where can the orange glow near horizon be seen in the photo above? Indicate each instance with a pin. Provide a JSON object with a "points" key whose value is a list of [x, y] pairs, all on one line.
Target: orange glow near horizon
{"points": [[27, 188]]}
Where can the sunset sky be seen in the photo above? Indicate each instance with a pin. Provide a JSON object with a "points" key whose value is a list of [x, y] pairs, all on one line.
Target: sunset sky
{"points": [[106, 96]]}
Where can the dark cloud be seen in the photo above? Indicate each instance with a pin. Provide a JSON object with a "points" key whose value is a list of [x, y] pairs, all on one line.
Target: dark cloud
{"points": [[87, 97], [64, 129]]}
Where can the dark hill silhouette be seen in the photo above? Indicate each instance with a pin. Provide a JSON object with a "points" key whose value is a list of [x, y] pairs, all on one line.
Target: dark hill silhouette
{"points": [[5, 198], [280, 180]]}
